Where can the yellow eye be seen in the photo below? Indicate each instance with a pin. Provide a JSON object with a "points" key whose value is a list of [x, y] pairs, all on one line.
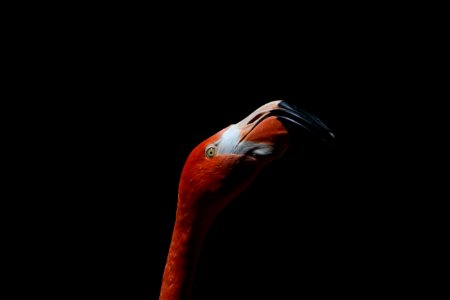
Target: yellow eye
{"points": [[210, 151]]}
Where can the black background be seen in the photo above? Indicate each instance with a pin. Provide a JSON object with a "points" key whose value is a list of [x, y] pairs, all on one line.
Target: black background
{"points": [[123, 107], [318, 221]]}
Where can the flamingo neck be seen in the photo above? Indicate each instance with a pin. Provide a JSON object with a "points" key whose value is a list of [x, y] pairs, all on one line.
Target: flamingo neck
{"points": [[187, 239]]}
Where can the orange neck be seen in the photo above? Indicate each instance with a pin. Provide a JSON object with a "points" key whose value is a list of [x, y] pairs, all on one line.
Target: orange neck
{"points": [[187, 239]]}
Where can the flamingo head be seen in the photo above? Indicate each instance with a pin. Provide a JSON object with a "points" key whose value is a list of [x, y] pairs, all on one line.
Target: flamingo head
{"points": [[222, 166]]}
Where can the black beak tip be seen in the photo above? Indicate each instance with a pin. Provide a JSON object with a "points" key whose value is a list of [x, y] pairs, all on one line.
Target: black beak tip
{"points": [[302, 119], [330, 139]]}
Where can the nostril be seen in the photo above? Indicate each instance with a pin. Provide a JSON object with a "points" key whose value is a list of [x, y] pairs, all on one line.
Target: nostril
{"points": [[255, 118]]}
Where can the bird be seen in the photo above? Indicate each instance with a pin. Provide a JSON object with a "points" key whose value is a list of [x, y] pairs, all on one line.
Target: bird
{"points": [[217, 170]]}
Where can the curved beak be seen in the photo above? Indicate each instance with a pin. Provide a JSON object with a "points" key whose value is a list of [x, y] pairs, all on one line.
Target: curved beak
{"points": [[296, 118], [278, 122]]}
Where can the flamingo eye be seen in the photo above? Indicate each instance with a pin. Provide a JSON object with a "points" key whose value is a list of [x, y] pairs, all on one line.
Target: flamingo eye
{"points": [[210, 151]]}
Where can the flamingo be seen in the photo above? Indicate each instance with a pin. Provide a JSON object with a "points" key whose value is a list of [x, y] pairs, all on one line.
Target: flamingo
{"points": [[216, 171]]}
